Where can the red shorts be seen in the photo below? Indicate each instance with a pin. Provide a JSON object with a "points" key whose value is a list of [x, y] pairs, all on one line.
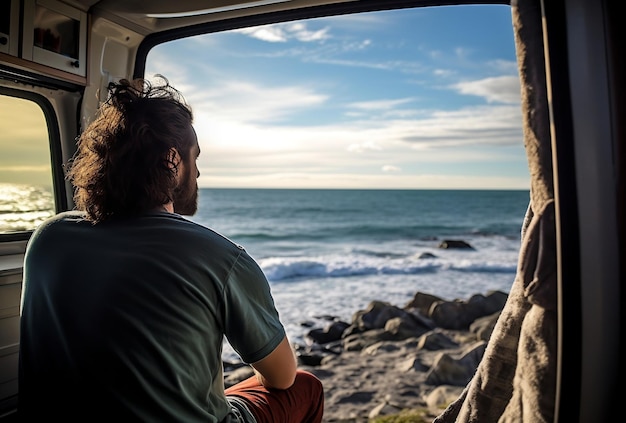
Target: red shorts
{"points": [[303, 402]]}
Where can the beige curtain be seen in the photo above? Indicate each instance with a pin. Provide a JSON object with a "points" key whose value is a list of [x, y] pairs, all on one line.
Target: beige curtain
{"points": [[516, 379]]}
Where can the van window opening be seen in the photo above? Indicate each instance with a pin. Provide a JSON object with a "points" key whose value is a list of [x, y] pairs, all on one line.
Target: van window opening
{"points": [[380, 101], [26, 187]]}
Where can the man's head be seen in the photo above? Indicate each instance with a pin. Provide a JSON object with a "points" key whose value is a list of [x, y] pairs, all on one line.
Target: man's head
{"points": [[138, 154]]}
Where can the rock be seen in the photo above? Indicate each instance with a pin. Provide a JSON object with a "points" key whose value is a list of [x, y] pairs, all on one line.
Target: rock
{"points": [[380, 347], [442, 396], [397, 322], [451, 315], [359, 341], [404, 327], [472, 354], [412, 364], [332, 332], [422, 302], [495, 301], [448, 370], [435, 340], [483, 326], [309, 359], [376, 315], [329, 317], [455, 243], [356, 397], [421, 318], [460, 314]]}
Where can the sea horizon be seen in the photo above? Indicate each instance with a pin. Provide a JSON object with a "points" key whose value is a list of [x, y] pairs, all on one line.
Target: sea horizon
{"points": [[364, 189]]}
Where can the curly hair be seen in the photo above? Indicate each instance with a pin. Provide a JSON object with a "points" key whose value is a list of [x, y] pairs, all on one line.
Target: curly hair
{"points": [[123, 165]]}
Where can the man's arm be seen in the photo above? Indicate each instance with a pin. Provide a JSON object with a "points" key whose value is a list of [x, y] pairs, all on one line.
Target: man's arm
{"points": [[278, 369]]}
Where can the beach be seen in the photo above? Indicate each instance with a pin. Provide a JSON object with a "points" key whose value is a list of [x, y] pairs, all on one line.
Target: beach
{"points": [[329, 254], [389, 359]]}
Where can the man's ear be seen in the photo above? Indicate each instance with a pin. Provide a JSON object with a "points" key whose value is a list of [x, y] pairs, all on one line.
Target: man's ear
{"points": [[174, 161]]}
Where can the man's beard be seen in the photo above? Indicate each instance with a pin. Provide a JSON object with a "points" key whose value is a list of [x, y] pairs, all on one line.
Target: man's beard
{"points": [[186, 197]]}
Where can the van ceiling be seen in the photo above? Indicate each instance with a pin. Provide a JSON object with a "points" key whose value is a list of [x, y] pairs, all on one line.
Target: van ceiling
{"points": [[158, 15], [182, 7]]}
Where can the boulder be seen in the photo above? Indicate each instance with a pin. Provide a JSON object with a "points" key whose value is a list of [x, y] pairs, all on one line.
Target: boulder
{"points": [[458, 314], [455, 243], [422, 302], [332, 332], [435, 340], [448, 370]]}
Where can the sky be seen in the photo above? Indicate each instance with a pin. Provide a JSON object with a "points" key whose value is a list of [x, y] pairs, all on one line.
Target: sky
{"points": [[25, 155], [423, 98]]}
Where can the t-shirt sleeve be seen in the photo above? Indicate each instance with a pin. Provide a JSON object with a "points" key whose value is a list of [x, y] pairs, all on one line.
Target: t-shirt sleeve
{"points": [[252, 324]]}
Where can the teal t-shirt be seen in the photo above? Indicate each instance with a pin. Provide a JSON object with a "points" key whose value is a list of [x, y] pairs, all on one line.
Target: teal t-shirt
{"points": [[127, 318]]}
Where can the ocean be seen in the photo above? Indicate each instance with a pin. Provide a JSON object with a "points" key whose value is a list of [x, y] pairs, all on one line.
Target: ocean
{"points": [[23, 207], [332, 252]]}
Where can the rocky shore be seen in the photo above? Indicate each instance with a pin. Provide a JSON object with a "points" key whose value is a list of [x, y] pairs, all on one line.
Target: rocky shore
{"points": [[391, 358]]}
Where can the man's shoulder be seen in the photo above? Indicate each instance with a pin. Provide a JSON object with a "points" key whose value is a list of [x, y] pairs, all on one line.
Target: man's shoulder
{"points": [[71, 216], [53, 229], [198, 230]]}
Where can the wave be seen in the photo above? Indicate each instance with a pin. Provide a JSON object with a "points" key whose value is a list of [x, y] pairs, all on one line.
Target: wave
{"points": [[279, 269]]}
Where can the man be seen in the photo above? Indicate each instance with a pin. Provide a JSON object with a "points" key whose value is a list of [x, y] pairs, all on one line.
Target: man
{"points": [[125, 303]]}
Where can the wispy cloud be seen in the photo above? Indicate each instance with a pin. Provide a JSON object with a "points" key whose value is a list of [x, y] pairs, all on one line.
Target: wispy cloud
{"points": [[281, 33], [380, 104], [363, 146], [238, 125], [242, 101], [502, 89]]}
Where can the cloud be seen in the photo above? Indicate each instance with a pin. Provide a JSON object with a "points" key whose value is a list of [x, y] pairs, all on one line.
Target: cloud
{"points": [[505, 67], [323, 51], [446, 73], [241, 125], [283, 32], [301, 33], [363, 146], [501, 89], [177, 74], [438, 138], [243, 144], [382, 109], [387, 180], [380, 104], [243, 102], [476, 125]]}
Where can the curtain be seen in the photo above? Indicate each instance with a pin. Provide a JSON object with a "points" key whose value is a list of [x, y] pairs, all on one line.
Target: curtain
{"points": [[516, 378]]}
